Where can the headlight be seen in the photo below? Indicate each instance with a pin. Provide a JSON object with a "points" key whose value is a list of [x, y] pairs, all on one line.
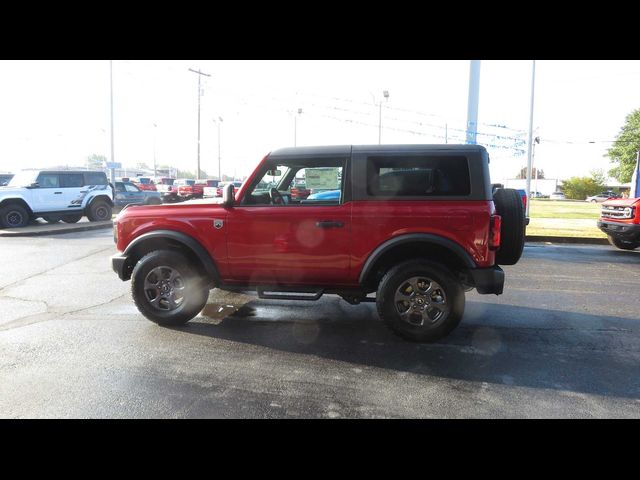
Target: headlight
{"points": [[627, 212]]}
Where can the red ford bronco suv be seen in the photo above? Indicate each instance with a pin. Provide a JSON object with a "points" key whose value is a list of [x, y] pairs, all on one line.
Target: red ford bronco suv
{"points": [[620, 220], [416, 224]]}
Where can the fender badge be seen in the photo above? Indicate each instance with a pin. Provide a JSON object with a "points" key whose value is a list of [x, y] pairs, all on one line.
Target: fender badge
{"points": [[218, 224]]}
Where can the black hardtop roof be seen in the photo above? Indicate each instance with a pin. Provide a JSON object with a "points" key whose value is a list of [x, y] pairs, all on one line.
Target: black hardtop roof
{"points": [[339, 150]]}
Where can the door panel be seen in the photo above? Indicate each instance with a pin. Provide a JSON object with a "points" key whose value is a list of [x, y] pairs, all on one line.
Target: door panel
{"points": [[288, 244]]}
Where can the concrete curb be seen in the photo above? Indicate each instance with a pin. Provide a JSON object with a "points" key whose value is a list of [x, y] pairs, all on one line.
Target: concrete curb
{"points": [[582, 240], [54, 229]]}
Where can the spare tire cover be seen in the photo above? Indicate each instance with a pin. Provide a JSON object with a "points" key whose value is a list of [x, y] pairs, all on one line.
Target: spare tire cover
{"points": [[512, 233]]}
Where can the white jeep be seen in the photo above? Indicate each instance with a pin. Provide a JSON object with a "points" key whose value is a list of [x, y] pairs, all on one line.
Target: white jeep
{"points": [[55, 195]]}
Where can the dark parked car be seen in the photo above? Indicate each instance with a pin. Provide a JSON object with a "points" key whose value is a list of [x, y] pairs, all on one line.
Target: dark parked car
{"points": [[127, 193]]}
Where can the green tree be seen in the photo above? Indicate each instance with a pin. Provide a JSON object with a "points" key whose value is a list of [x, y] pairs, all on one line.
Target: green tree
{"points": [[623, 153], [579, 188], [96, 161]]}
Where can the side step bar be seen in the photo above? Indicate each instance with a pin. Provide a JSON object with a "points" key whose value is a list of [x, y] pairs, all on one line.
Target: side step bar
{"points": [[286, 294]]}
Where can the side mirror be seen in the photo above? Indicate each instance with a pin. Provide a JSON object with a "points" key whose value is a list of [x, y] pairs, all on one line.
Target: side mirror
{"points": [[228, 197], [34, 185]]}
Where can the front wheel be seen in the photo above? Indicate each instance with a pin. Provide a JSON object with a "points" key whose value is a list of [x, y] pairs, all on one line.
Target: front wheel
{"points": [[622, 244], [420, 301], [13, 216], [167, 289]]}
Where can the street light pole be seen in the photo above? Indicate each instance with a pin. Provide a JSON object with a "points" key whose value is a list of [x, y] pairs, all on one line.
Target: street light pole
{"points": [[529, 148], [199, 95], [472, 102], [155, 170], [386, 95], [295, 127], [113, 171], [219, 156]]}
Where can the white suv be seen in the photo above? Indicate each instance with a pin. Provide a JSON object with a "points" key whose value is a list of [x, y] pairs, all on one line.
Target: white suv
{"points": [[55, 195]]}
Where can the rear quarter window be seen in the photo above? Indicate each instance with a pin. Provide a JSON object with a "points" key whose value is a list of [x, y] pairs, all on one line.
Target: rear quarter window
{"points": [[418, 176], [95, 178]]}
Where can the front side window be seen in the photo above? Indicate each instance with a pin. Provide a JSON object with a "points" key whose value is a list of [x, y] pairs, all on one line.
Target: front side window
{"points": [[48, 180], [130, 187], [298, 183], [418, 176]]}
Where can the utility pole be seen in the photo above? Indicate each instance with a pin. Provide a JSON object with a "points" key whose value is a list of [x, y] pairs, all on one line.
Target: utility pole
{"points": [[155, 170], [386, 95], [472, 102], [200, 74], [446, 133], [295, 128], [529, 148], [113, 171], [219, 156]]}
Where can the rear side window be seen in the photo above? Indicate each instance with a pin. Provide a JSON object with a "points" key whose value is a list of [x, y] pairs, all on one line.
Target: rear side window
{"points": [[95, 178], [418, 176], [71, 180]]}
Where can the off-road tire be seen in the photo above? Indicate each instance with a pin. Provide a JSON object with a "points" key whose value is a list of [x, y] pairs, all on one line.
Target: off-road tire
{"points": [[196, 290], [99, 211], [398, 276], [622, 244], [14, 216], [512, 232]]}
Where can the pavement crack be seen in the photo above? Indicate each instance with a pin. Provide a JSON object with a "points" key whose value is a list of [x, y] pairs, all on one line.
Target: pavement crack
{"points": [[17, 282]]}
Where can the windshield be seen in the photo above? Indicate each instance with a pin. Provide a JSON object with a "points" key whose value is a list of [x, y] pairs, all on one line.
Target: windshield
{"points": [[23, 179]]}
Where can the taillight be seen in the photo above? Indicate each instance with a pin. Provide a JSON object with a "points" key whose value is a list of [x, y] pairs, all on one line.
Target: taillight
{"points": [[494, 232]]}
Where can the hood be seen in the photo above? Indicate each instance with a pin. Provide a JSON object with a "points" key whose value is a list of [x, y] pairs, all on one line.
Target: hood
{"points": [[621, 202], [172, 210]]}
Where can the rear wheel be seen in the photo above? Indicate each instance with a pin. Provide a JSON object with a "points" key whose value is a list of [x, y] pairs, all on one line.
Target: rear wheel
{"points": [[13, 216], [622, 244], [167, 289], [512, 233], [99, 211], [420, 301], [154, 201]]}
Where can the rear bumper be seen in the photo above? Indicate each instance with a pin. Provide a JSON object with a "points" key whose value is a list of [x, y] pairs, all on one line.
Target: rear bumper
{"points": [[121, 266], [624, 231], [488, 280]]}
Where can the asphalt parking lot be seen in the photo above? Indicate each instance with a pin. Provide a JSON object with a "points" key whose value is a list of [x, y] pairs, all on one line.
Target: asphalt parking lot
{"points": [[563, 341]]}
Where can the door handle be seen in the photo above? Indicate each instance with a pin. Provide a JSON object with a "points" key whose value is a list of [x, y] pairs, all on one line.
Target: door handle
{"points": [[57, 193], [329, 224]]}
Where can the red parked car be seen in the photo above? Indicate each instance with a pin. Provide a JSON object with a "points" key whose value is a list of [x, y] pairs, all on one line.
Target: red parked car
{"points": [[417, 225], [188, 188], [144, 183], [300, 191]]}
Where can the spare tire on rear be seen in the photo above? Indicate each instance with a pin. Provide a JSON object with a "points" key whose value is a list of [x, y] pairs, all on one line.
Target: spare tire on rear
{"points": [[512, 233]]}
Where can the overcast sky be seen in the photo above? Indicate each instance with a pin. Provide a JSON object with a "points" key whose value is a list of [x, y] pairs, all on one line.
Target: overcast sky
{"points": [[57, 112]]}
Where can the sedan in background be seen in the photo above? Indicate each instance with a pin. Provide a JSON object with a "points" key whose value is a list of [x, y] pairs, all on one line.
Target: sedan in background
{"points": [[127, 193], [557, 196], [602, 197]]}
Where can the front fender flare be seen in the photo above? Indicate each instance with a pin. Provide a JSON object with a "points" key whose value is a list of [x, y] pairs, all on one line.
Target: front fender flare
{"points": [[189, 242]]}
